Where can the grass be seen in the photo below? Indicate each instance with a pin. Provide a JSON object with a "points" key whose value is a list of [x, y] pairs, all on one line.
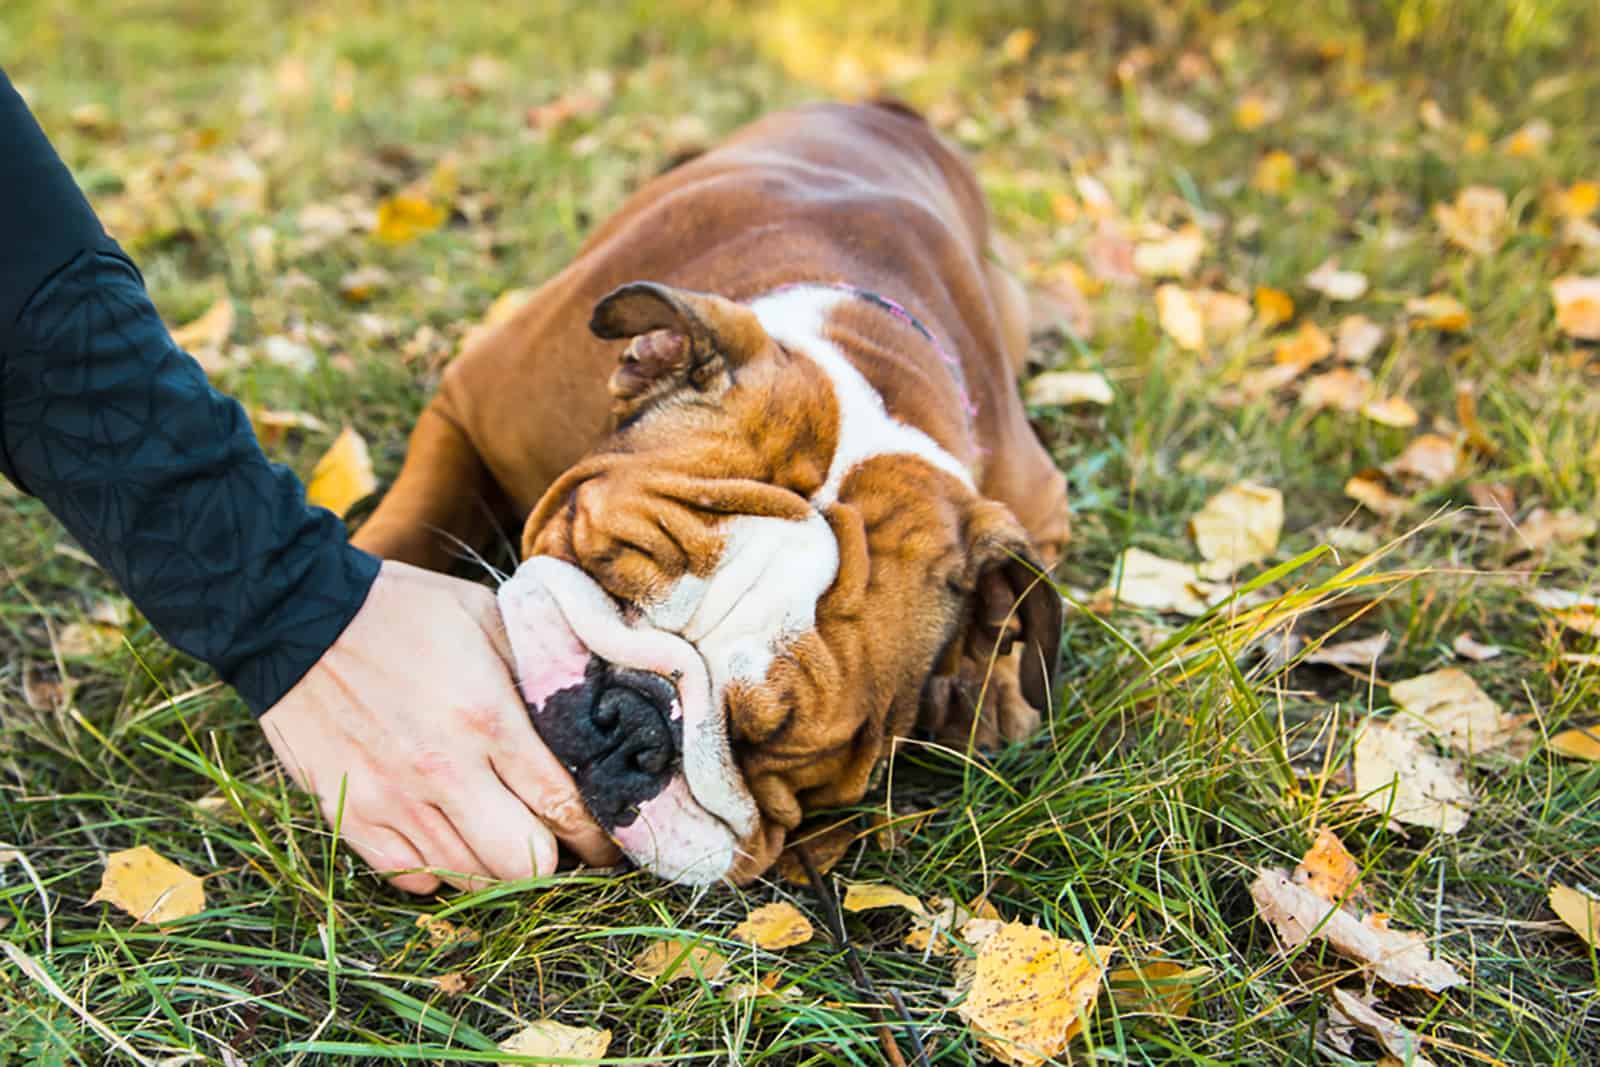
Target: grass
{"points": [[1180, 761]]}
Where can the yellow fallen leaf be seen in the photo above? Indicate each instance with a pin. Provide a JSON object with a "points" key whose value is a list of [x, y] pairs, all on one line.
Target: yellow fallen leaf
{"points": [[1398, 776], [1373, 495], [1018, 44], [1468, 647], [1362, 653], [1580, 233], [1578, 200], [868, 896], [1430, 458], [1328, 869], [1345, 389], [1451, 705], [364, 283], [1357, 338], [557, 1041], [1579, 911], [774, 926], [343, 475], [933, 932], [1160, 987], [1543, 528], [1297, 915], [1306, 346], [1578, 743], [1143, 579], [1476, 221], [150, 887], [1439, 312], [1349, 1010], [1030, 990], [1576, 611], [1336, 284], [1237, 527], [204, 337], [1226, 314], [1529, 140], [1577, 303], [1274, 173], [272, 426], [672, 961], [1254, 111], [406, 216], [85, 640], [452, 984], [1273, 305], [1181, 317], [1393, 411], [442, 932], [1062, 388], [1171, 255]]}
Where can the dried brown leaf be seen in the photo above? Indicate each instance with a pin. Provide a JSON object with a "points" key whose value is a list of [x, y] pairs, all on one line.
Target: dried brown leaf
{"points": [[1237, 527], [1430, 458], [1405, 1045], [1468, 647], [1030, 990], [557, 1041], [673, 961], [868, 896], [1578, 743], [1357, 338], [1160, 987], [1396, 775], [1344, 389], [1579, 911], [1328, 869], [1362, 653], [1577, 303], [1393, 411], [150, 887], [774, 926], [1372, 494], [1062, 388], [1145, 580], [1476, 221]]}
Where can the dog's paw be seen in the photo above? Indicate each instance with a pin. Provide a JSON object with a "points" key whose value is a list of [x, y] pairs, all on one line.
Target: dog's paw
{"points": [[979, 706]]}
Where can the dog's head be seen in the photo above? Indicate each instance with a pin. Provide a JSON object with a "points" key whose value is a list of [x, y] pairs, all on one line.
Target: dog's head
{"points": [[729, 608]]}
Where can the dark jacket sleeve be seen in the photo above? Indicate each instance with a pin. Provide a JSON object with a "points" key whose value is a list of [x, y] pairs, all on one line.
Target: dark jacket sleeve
{"points": [[157, 475]]}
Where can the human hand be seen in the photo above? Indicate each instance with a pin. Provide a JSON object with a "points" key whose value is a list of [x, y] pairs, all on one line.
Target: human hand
{"points": [[414, 710]]}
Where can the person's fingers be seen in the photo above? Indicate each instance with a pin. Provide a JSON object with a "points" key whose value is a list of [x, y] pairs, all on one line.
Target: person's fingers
{"points": [[386, 851], [442, 846], [502, 832], [533, 773]]}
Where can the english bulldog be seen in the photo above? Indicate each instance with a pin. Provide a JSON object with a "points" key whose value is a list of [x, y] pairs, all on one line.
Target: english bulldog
{"points": [[779, 499]]}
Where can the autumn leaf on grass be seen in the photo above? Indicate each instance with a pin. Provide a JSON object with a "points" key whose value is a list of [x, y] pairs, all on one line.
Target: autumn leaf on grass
{"points": [[1181, 317], [1579, 911], [1577, 301], [868, 896], [1543, 528], [1430, 458], [1274, 173], [1254, 111], [1336, 284], [672, 961], [1170, 254], [1226, 314], [1328, 869], [443, 932], [1398, 776], [1160, 987], [1529, 140], [1356, 338], [1143, 579], [1576, 201], [406, 216], [1029, 992], [1237, 527], [86, 640], [1439, 312], [1393, 411], [934, 931], [774, 926], [1368, 490], [364, 283], [272, 426], [1468, 647], [150, 887], [546, 1038], [1273, 306], [1349, 1010], [1363, 653], [343, 475], [1306, 346], [1345, 389], [1476, 221], [1578, 743], [204, 337], [1297, 914], [1576, 611], [1062, 388]]}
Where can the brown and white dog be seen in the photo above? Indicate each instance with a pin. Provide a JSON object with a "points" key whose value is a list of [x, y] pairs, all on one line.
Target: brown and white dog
{"points": [[799, 513]]}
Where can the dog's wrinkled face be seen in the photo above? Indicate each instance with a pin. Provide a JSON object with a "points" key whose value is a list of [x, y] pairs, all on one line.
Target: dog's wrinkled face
{"points": [[730, 607]]}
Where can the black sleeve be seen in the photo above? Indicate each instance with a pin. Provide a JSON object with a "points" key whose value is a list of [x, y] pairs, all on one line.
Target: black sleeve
{"points": [[157, 475]]}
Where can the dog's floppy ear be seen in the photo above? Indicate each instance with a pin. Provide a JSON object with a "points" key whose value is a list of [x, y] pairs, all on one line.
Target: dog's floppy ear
{"points": [[1013, 603], [1001, 666], [677, 336]]}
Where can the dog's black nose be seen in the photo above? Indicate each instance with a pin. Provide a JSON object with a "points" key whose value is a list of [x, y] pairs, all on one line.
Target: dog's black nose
{"points": [[615, 733]]}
